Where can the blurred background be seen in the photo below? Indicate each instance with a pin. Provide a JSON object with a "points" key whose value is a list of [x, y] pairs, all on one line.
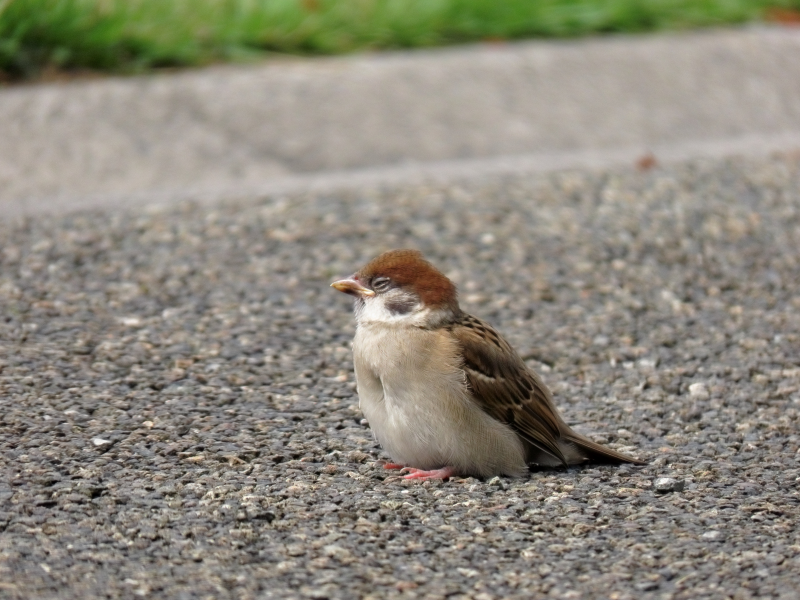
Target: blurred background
{"points": [[294, 90], [53, 37]]}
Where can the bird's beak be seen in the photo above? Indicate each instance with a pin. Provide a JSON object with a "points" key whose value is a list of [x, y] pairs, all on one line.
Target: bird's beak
{"points": [[352, 287]]}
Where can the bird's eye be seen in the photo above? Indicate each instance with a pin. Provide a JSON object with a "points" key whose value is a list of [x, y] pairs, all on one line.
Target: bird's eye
{"points": [[381, 284]]}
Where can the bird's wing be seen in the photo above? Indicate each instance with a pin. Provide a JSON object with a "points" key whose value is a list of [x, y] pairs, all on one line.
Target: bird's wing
{"points": [[505, 388]]}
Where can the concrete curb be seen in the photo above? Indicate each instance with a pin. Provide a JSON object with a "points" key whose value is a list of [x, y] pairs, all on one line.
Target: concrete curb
{"points": [[234, 131], [435, 172]]}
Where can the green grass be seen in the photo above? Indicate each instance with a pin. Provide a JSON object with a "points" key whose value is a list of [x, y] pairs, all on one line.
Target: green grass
{"points": [[135, 35]]}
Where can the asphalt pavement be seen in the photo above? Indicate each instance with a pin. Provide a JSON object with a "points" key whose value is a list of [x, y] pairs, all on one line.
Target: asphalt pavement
{"points": [[180, 418]]}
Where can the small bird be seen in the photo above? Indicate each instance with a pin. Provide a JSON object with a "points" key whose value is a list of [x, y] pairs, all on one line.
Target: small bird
{"points": [[443, 392]]}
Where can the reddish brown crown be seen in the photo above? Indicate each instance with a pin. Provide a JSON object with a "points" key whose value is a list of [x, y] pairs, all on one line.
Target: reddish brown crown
{"points": [[409, 269]]}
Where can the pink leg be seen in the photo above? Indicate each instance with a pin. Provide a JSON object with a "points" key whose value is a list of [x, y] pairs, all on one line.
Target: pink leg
{"points": [[393, 466], [443, 473]]}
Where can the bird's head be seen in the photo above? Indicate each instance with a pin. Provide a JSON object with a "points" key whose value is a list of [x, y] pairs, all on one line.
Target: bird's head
{"points": [[401, 287]]}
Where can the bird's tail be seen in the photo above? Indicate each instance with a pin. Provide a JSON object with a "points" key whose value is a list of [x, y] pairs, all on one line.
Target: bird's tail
{"points": [[580, 449]]}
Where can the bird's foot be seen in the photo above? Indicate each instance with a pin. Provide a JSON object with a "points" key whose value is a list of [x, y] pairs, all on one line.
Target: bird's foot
{"points": [[443, 473], [393, 466]]}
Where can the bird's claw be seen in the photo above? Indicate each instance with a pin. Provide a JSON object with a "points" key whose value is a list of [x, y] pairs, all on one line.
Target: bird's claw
{"points": [[443, 473]]}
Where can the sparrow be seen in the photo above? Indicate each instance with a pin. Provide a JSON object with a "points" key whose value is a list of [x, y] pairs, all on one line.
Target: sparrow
{"points": [[443, 392]]}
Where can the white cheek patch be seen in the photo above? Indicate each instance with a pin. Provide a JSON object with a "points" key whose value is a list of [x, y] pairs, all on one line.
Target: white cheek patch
{"points": [[399, 307], [391, 308]]}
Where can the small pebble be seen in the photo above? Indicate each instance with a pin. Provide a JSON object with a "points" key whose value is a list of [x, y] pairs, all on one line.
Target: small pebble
{"points": [[668, 484], [698, 390]]}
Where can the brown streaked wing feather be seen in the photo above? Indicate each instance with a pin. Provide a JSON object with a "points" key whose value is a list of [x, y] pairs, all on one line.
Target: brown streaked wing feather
{"points": [[505, 388]]}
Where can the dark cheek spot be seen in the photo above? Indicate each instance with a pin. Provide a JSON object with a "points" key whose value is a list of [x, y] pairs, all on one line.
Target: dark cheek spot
{"points": [[400, 306]]}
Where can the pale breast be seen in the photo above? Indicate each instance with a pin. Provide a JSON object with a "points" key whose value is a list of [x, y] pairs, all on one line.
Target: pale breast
{"points": [[413, 392]]}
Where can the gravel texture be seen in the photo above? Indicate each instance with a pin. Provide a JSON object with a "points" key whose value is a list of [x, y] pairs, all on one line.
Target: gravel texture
{"points": [[179, 416]]}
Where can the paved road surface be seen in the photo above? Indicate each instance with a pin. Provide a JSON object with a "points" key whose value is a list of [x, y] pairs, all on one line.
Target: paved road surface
{"points": [[179, 418]]}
